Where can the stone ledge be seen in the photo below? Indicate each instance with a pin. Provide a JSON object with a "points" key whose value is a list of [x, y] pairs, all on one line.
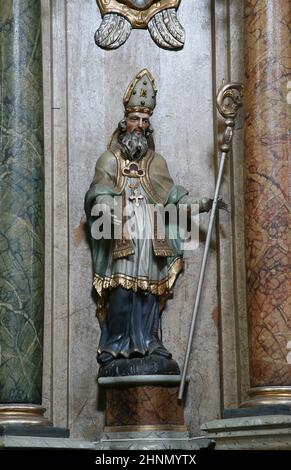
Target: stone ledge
{"points": [[250, 433], [248, 423], [29, 442], [156, 440], [130, 441]]}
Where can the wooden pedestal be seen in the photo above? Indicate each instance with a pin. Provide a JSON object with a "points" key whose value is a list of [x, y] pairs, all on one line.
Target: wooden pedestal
{"points": [[149, 403]]}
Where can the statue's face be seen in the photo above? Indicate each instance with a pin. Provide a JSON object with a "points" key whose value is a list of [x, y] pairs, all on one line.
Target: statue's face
{"points": [[138, 4], [138, 122]]}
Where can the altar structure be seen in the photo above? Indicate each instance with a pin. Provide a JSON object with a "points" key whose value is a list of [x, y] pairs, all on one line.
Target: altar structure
{"points": [[58, 110]]}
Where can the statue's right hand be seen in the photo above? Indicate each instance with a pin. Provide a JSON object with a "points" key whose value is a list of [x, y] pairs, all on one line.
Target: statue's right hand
{"points": [[109, 213], [116, 220]]}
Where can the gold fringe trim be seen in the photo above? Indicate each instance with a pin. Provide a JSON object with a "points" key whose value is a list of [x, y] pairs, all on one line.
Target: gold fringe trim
{"points": [[123, 252], [161, 288]]}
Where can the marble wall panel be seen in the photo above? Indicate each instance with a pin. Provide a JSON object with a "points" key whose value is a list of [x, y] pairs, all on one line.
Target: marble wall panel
{"points": [[236, 63], [56, 200], [228, 31], [48, 337]]}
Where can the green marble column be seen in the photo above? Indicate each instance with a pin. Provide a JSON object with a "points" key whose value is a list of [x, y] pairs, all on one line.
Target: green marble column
{"points": [[21, 203]]}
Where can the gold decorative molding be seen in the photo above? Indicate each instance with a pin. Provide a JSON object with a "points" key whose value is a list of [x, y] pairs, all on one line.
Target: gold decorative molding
{"points": [[119, 17], [138, 4], [147, 428], [138, 17], [23, 414], [268, 396]]}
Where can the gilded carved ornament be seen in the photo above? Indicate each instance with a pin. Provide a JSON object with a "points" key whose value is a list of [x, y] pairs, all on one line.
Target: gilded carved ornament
{"points": [[119, 17]]}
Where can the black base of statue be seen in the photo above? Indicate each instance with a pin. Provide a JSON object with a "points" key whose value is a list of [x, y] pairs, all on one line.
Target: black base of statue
{"points": [[148, 365], [33, 431], [260, 410]]}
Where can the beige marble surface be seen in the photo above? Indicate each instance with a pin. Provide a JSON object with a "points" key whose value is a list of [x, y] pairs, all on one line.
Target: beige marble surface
{"points": [[85, 85]]}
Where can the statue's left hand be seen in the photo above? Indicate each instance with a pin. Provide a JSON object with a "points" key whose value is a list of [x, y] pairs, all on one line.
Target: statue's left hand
{"points": [[223, 205], [207, 204]]}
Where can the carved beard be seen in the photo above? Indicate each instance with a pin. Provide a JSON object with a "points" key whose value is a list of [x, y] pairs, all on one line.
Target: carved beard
{"points": [[133, 146]]}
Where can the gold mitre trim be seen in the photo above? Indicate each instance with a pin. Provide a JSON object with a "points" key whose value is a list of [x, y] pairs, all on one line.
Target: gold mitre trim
{"points": [[127, 95], [139, 18], [139, 109]]}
